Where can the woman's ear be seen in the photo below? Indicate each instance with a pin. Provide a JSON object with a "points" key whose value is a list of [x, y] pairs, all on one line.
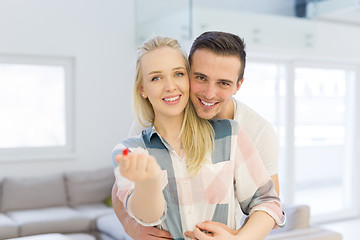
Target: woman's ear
{"points": [[142, 91]]}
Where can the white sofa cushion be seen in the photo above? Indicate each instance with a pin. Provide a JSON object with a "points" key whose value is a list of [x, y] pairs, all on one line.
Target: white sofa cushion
{"points": [[110, 225], [89, 187], [80, 236], [50, 220], [32, 193], [312, 233], [50, 236], [94, 211], [8, 229], [58, 236]]}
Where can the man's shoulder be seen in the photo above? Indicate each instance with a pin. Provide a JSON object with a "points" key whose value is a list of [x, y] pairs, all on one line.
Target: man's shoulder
{"points": [[244, 114], [255, 125]]}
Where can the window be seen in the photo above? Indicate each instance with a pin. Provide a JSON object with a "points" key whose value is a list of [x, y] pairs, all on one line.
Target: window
{"points": [[324, 102], [36, 107], [312, 107]]}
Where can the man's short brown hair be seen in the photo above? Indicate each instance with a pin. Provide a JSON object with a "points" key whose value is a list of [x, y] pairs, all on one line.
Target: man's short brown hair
{"points": [[221, 43]]}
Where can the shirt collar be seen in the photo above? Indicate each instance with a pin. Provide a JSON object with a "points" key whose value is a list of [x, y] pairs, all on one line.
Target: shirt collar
{"points": [[151, 133]]}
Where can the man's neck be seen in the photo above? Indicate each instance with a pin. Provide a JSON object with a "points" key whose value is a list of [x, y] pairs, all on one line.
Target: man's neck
{"points": [[227, 113]]}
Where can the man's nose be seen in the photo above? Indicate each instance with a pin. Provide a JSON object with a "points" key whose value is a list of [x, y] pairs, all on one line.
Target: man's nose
{"points": [[209, 91]]}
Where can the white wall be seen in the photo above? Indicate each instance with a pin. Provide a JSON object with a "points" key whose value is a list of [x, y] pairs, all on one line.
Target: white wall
{"points": [[281, 36], [99, 35]]}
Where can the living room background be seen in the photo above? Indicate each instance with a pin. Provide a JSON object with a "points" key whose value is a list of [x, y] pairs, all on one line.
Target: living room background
{"points": [[101, 37]]}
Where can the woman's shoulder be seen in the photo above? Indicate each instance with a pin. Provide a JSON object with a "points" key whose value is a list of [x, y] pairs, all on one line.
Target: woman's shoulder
{"points": [[131, 143]]}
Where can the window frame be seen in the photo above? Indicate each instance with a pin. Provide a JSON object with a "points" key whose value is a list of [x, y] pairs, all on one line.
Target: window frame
{"points": [[351, 150], [47, 153], [287, 175]]}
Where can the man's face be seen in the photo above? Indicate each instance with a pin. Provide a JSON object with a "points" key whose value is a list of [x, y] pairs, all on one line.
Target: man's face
{"points": [[213, 82]]}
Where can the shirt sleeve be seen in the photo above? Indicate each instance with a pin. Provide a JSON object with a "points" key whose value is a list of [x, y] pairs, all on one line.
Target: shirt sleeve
{"points": [[254, 188], [262, 133], [268, 147]]}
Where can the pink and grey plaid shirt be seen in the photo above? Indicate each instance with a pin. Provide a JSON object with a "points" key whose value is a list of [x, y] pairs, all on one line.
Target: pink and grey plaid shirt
{"points": [[232, 174]]}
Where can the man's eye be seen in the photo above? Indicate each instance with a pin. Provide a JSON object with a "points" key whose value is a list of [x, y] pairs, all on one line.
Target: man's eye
{"points": [[200, 78], [224, 84]]}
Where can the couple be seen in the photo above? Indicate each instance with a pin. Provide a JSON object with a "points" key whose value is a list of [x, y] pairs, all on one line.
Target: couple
{"points": [[183, 170]]}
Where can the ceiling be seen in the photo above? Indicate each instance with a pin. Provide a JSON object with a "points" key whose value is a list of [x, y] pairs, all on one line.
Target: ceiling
{"points": [[346, 12]]}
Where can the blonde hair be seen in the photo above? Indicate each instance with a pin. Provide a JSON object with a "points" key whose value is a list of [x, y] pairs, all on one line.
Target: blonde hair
{"points": [[197, 134]]}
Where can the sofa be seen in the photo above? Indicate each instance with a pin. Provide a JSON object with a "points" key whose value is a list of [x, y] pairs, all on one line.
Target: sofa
{"points": [[76, 204], [66, 203]]}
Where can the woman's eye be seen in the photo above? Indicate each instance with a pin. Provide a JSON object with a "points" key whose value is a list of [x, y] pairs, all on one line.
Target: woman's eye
{"points": [[179, 74], [155, 78]]}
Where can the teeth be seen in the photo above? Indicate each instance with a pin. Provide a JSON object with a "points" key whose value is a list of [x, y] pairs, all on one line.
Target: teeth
{"points": [[171, 99], [207, 104]]}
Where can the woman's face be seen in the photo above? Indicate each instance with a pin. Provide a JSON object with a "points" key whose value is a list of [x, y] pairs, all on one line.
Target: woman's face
{"points": [[165, 81]]}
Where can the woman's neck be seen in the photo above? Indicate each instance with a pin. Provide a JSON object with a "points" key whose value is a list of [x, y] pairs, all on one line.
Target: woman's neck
{"points": [[169, 129]]}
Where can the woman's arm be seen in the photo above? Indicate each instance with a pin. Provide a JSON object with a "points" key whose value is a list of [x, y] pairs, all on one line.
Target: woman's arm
{"points": [[135, 230], [146, 202]]}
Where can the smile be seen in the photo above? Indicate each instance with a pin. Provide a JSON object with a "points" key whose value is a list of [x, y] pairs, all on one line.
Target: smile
{"points": [[171, 99], [207, 103]]}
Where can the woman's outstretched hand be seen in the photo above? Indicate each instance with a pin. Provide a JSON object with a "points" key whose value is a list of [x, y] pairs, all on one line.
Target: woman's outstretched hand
{"points": [[147, 201], [138, 167]]}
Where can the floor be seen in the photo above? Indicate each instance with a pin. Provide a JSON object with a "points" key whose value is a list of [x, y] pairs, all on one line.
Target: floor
{"points": [[350, 229]]}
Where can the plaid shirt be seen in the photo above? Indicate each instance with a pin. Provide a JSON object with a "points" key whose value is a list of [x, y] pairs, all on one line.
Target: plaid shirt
{"points": [[233, 173]]}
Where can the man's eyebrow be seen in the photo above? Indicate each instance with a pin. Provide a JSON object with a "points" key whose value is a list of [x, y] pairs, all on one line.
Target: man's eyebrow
{"points": [[219, 80], [226, 81], [199, 74]]}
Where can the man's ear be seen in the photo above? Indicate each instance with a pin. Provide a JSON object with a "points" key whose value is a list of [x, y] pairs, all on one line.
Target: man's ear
{"points": [[238, 85]]}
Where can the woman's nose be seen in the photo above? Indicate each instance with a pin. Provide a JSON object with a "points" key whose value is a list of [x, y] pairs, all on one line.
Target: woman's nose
{"points": [[170, 84]]}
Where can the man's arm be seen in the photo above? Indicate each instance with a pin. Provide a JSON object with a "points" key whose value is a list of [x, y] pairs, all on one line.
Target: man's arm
{"points": [[258, 227], [135, 230], [275, 179]]}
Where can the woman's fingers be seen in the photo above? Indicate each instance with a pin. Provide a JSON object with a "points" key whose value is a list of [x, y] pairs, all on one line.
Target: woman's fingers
{"points": [[123, 162], [138, 167]]}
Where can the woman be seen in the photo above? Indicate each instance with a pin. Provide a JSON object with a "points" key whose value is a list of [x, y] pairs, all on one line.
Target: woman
{"points": [[183, 170]]}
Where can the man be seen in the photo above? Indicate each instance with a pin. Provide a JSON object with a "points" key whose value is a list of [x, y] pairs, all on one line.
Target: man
{"points": [[217, 61]]}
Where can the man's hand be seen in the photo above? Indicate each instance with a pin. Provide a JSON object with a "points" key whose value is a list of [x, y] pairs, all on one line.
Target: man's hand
{"points": [[148, 233], [211, 230], [138, 167]]}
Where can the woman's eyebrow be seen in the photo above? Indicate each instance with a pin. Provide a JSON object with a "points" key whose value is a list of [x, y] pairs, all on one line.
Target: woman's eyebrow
{"points": [[158, 71], [178, 68], [154, 72]]}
